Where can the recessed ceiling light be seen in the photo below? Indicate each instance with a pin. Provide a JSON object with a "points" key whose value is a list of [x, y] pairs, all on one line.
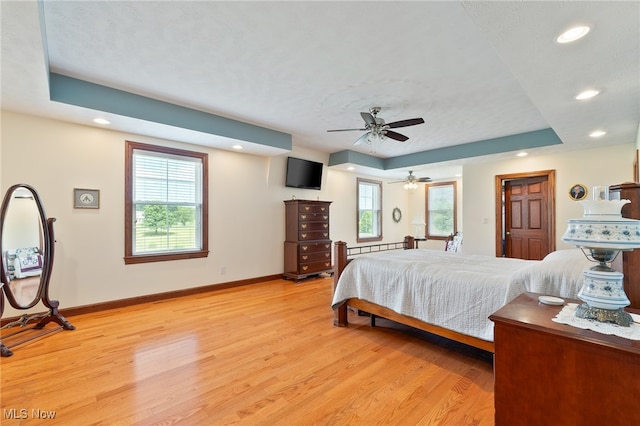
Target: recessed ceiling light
{"points": [[351, 168], [238, 147], [587, 94], [522, 154], [573, 34], [101, 121], [597, 133]]}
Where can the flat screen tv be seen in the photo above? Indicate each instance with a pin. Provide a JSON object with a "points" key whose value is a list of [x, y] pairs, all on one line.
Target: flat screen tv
{"points": [[303, 174]]}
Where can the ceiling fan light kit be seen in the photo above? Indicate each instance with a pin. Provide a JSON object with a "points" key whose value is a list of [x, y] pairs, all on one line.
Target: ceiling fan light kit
{"points": [[411, 181], [377, 130]]}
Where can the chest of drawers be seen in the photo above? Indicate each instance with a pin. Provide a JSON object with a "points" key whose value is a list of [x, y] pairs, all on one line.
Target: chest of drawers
{"points": [[307, 246]]}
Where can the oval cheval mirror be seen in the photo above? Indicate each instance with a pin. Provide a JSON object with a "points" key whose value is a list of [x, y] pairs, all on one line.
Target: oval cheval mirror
{"points": [[27, 249]]}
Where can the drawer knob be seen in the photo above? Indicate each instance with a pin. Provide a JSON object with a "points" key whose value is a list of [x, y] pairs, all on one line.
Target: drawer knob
{"points": [[305, 257], [304, 268], [303, 216], [304, 248], [303, 225], [303, 236]]}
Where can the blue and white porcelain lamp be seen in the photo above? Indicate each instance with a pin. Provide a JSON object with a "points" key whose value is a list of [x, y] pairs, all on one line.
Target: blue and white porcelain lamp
{"points": [[601, 234]]}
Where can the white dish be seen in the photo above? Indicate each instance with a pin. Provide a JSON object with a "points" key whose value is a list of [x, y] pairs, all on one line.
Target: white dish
{"points": [[550, 300]]}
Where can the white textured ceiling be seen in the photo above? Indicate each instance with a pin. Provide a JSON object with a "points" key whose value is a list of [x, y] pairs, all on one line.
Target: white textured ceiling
{"points": [[472, 70]]}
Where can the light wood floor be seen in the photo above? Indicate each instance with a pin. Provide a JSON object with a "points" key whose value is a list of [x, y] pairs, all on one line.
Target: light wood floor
{"points": [[264, 354]]}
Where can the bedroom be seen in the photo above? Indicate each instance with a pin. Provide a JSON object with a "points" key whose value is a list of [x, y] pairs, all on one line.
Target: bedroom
{"points": [[56, 156]]}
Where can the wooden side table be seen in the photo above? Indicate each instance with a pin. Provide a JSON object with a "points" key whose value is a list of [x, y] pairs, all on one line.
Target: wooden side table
{"points": [[550, 373], [417, 240]]}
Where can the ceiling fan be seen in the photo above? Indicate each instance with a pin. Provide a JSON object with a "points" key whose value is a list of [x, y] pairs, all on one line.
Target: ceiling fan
{"points": [[411, 181], [377, 129]]}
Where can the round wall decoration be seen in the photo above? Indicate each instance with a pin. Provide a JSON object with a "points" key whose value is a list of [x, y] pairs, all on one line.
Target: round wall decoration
{"points": [[578, 192], [397, 215]]}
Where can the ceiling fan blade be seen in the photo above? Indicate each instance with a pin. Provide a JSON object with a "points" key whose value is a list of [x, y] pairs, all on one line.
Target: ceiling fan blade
{"points": [[405, 123], [361, 139], [394, 135], [424, 179], [398, 181], [368, 118], [346, 130]]}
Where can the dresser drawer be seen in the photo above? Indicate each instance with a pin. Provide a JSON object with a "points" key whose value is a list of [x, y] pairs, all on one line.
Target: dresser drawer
{"points": [[313, 235], [313, 217], [313, 208], [315, 257], [307, 268], [314, 247], [314, 226]]}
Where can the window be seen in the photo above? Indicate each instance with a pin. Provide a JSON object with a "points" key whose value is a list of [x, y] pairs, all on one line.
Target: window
{"points": [[166, 206], [441, 210], [369, 210]]}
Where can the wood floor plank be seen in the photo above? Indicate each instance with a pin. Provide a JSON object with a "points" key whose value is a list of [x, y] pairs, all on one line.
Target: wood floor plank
{"points": [[262, 354]]}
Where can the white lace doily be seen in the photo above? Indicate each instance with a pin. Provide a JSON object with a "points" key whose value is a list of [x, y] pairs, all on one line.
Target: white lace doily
{"points": [[568, 316]]}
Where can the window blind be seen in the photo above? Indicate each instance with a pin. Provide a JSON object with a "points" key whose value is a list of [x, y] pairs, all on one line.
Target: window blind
{"points": [[167, 199]]}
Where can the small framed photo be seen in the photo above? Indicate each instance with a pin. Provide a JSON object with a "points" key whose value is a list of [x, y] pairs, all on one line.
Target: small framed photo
{"points": [[86, 198], [578, 192]]}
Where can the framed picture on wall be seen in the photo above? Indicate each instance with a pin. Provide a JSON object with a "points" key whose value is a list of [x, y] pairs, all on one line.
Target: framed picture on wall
{"points": [[86, 198], [578, 192]]}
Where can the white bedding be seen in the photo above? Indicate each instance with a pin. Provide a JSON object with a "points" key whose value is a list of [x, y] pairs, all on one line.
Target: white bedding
{"points": [[454, 290]]}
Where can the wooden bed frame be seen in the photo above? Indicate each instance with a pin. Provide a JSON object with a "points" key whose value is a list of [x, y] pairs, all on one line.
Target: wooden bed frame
{"points": [[340, 319]]}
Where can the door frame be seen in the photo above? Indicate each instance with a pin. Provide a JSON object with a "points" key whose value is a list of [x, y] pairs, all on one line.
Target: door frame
{"points": [[551, 206]]}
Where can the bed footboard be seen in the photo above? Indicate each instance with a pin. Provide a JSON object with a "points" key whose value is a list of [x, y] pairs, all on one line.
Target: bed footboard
{"points": [[341, 258]]}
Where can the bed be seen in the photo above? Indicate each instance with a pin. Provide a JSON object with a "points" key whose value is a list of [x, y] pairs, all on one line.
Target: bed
{"points": [[446, 293]]}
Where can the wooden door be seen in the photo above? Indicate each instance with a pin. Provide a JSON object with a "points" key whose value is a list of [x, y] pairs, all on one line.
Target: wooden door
{"points": [[527, 218]]}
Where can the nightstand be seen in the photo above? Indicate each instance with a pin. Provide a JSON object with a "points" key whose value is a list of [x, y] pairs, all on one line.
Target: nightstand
{"points": [[416, 239], [551, 373]]}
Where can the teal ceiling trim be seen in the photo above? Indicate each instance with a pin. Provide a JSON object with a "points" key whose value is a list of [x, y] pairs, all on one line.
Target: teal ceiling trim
{"points": [[82, 93], [529, 140], [353, 157]]}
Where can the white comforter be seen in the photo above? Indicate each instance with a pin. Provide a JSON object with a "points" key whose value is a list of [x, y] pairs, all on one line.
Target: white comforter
{"points": [[454, 290]]}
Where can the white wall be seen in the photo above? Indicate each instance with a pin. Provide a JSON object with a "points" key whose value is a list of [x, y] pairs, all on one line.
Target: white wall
{"points": [[246, 222], [601, 166]]}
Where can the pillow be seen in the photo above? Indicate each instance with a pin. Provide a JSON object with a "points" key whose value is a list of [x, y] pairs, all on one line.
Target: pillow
{"points": [[28, 265], [559, 274], [23, 262]]}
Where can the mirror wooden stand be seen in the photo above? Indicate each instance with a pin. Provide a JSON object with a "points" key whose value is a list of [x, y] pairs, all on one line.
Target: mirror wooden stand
{"points": [[27, 250]]}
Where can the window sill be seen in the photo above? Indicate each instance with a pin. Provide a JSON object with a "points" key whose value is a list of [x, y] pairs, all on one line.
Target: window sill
{"points": [[130, 260]]}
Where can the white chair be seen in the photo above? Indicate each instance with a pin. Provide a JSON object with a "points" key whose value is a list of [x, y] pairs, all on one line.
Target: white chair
{"points": [[454, 243]]}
